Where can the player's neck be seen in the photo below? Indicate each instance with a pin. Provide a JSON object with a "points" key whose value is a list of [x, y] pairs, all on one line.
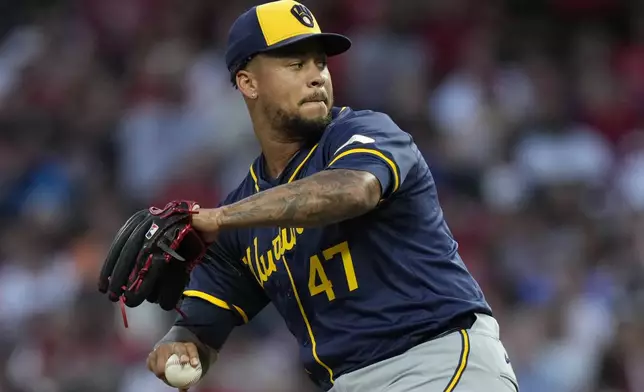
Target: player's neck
{"points": [[277, 155], [277, 150]]}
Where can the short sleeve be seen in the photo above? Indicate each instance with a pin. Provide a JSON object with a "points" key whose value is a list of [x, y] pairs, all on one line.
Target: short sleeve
{"points": [[373, 143]]}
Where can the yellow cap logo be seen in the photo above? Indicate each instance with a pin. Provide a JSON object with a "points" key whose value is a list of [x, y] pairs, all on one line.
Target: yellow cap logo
{"points": [[303, 14], [284, 19]]}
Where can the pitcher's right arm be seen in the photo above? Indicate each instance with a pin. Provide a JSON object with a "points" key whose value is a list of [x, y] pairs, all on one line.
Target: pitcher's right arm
{"points": [[221, 295]]}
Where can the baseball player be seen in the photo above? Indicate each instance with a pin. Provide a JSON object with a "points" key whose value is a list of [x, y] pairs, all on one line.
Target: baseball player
{"points": [[337, 224]]}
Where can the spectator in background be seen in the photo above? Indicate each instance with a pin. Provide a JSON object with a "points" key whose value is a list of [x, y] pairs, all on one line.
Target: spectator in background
{"points": [[531, 113]]}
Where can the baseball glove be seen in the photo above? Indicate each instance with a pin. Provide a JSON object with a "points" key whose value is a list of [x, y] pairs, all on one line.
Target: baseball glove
{"points": [[152, 256]]}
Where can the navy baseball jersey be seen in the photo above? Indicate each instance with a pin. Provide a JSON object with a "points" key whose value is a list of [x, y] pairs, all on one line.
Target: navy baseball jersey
{"points": [[359, 291]]}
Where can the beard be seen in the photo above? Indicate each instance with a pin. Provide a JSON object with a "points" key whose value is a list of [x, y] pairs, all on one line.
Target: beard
{"points": [[295, 128]]}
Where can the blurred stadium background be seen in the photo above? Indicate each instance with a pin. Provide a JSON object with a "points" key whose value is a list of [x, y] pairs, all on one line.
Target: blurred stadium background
{"points": [[530, 112]]}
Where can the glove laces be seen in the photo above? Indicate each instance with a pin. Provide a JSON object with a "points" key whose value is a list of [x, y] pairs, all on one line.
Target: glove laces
{"points": [[124, 313]]}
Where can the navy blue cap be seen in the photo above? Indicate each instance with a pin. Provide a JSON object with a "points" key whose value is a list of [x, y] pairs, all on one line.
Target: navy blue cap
{"points": [[275, 25]]}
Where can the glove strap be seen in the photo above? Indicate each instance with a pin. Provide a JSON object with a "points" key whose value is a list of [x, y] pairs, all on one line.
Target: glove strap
{"points": [[123, 313], [176, 207]]}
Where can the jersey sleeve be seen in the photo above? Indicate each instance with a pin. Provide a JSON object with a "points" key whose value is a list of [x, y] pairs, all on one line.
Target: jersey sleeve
{"points": [[211, 324], [221, 281], [224, 282], [372, 143]]}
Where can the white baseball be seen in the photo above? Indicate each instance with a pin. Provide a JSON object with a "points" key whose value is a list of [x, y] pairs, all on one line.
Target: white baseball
{"points": [[181, 376]]}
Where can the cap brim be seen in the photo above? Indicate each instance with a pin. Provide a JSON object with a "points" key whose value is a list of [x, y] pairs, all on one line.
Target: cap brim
{"points": [[333, 44]]}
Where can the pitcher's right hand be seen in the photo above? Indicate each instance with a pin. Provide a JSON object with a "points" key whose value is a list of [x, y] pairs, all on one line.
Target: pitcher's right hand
{"points": [[187, 353]]}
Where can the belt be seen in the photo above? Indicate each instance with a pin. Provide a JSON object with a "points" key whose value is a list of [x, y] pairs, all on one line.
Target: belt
{"points": [[462, 321]]}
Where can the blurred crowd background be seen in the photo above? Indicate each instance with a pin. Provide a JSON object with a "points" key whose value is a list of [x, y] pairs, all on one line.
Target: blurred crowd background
{"points": [[530, 113]]}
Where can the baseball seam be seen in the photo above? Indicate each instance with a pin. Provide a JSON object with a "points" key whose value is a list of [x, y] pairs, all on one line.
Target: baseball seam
{"points": [[177, 362]]}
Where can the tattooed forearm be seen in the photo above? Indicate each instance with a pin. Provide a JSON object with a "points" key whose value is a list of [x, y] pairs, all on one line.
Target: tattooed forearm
{"points": [[327, 197]]}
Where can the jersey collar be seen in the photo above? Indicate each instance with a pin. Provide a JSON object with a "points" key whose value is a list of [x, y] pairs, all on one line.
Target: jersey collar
{"points": [[294, 167]]}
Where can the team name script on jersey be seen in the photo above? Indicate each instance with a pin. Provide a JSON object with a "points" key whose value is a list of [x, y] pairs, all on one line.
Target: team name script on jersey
{"points": [[263, 264]]}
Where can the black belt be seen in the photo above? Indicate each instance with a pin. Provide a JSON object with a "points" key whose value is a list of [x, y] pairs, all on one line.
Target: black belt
{"points": [[462, 321]]}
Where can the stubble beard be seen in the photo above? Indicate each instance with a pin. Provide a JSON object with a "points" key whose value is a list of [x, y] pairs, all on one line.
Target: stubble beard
{"points": [[294, 128]]}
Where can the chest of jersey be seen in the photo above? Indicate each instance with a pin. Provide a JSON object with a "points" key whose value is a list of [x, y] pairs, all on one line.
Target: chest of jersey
{"points": [[266, 249], [301, 268], [273, 254]]}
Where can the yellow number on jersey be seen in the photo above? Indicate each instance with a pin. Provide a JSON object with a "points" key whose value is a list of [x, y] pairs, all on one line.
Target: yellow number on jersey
{"points": [[325, 284], [317, 270]]}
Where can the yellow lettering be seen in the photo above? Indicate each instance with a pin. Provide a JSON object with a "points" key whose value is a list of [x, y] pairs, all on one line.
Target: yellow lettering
{"points": [[263, 266], [270, 268], [347, 261], [325, 284], [248, 261], [261, 272], [288, 243], [278, 251]]}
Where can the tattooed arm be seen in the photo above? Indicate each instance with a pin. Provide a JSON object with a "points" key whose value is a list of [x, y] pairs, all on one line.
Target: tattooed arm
{"points": [[326, 197]]}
